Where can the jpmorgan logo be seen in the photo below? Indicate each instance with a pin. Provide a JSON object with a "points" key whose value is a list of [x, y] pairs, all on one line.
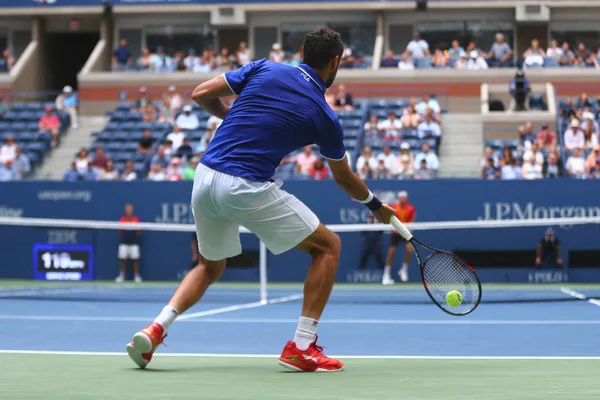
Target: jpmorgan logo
{"points": [[175, 213], [505, 210]]}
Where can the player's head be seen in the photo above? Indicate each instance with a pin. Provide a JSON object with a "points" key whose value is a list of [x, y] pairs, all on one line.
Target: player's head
{"points": [[403, 197], [322, 50], [128, 210]]}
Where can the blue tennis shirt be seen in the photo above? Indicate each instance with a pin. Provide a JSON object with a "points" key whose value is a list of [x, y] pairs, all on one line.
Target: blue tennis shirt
{"points": [[280, 109]]}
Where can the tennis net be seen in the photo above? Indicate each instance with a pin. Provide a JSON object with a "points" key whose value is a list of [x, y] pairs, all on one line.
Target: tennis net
{"points": [[78, 260]]}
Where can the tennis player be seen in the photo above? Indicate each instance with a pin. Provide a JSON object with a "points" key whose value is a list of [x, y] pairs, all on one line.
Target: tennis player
{"points": [[406, 214], [279, 109]]}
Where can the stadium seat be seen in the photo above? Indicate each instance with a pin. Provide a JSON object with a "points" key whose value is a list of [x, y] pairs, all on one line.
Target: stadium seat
{"points": [[493, 143], [18, 126], [112, 126], [512, 143], [113, 146], [134, 116], [27, 137], [128, 126], [121, 156], [34, 158], [378, 104], [119, 116], [422, 63], [143, 125], [158, 136], [44, 137], [105, 136], [37, 147], [17, 107], [125, 106], [10, 116], [536, 102], [413, 143], [551, 62], [161, 126], [381, 113], [130, 146], [32, 126], [351, 123], [4, 126], [350, 143], [351, 133], [195, 135], [135, 136], [401, 103], [141, 157], [121, 136], [119, 166], [409, 133]]}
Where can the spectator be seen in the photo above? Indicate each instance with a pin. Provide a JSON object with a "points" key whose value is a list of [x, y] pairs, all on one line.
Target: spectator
{"points": [[185, 151], [417, 47], [430, 158], [405, 63], [533, 152], [462, 62], [175, 99], [439, 59], [304, 161], [423, 172], [129, 174], [100, 160], [347, 57], [382, 172], [67, 101], [144, 62], [583, 57], [584, 100], [72, 175], [8, 172], [187, 120], [224, 61], [160, 157], [500, 55], [390, 127], [511, 170], [534, 56], [545, 138], [160, 62], [6, 61], [8, 151], [129, 246], [554, 50], [318, 171], [121, 59], [148, 113], [49, 122], [203, 65], [205, 141], [429, 129], [488, 153], [405, 161], [173, 171], [82, 162], [410, 117], [146, 143], [366, 158], [213, 123], [21, 163], [490, 170], [176, 137], [588, 120], [189, 171], [371, 128], [109, 173], [473, 46], [552, 168], [243, 54], [276, 54], [527, 134], [507, 155], [90, 174], [389, 61], [576, 164], [428, 102], [594, 172], [568, 110], [475, 61], [574, 137], [455, 50], [548, 251], [293, 59], [143, 99], [390, 160], [590, 139], [568, 57], [531, 170], [343, 99], [165, 114], [590, 161], [191, 60], [168, 148], [3, 106], [156, 174], [365, 172]]}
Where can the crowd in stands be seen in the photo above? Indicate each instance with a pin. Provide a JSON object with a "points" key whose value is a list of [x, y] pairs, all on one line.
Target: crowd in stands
{"points": [[418, 54], [7, 61], [538, 155]]}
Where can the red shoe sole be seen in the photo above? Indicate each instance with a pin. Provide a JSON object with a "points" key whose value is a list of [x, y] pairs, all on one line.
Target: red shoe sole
{"points": [[294, 368], [141, 345]]}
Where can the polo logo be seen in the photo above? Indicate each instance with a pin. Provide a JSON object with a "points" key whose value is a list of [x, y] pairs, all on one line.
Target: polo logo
{"points": [[305, 76]]}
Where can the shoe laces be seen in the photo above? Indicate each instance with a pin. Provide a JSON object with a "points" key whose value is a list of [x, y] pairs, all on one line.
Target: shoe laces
{"points": [[316, 346]]}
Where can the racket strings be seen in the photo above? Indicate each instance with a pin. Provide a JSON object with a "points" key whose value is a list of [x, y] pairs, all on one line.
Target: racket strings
{"points": [[444, 272]]}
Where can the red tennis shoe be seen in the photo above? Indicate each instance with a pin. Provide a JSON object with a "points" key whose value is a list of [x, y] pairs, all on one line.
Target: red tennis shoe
{"points": [[309, 360], [144, 344]]}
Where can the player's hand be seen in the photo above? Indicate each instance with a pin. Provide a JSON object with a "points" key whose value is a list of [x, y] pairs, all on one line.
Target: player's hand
{"points": [[384, 214]]}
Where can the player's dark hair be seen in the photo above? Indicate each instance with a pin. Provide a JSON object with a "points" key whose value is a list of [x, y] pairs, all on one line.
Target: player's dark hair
{"points": [[320, 46]]}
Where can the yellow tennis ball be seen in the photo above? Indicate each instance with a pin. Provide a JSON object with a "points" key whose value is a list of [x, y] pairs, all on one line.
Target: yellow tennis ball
{"points": [[454, 298]]}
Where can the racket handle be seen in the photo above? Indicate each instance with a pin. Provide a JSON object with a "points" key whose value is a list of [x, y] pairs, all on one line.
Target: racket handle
{"points": [[400, 228]]}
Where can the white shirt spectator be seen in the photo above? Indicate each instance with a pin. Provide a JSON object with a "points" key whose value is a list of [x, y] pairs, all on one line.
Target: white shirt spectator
{"points": [[82, 165], [371, 162], [511, 172], [426, 128], [176, 138], [390, 128], [390, 161], [156, 176], [214, 122], [576, 165], [305, 162], [591, 141], [433, 163], [476, 63], [574, 139], [538, 157], [201, 67], [7, 152], [423, 105], [190, 62], [129, 176], [534, 60], [417, 48], [532, 171], [161, 63], [187, 121], [554, 52], [406, 65]]}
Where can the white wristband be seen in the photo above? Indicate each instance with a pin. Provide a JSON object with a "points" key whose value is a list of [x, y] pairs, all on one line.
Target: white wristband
{"points": [[368, 199]]}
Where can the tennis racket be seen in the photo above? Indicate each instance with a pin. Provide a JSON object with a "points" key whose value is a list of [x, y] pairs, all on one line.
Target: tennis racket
{"points": [[443, 272]]}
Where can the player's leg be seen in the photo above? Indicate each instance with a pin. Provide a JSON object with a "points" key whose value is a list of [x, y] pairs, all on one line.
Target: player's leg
{"points": [[389, 261], [403, 272], [123, 256]]}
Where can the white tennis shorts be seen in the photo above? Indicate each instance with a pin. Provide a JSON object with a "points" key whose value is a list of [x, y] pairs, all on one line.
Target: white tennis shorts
{"points": [[222, 203], [129, 252]]}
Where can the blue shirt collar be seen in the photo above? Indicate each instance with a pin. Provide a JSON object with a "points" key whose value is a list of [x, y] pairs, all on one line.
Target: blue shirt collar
{"points": [[312, 74]]}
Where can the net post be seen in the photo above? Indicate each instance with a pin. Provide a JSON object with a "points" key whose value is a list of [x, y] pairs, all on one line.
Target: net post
{"points": [[263, 273]]}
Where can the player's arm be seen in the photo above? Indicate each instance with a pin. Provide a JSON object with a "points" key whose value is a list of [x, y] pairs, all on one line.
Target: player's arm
{"points": [[208, 96]]}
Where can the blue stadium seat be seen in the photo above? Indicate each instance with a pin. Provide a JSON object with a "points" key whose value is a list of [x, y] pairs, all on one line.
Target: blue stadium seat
{"points": [[357, 114], [37, 147], [536, 102], [18, 107], [130, 146], [34, 158], [32, 126], [134, 116], [4, 126], [113, 146], [136, 135], [44, 137], [50, 104], [141, 157], [143, 125], [409, 133], [27, 137], [158, 136], [422, 63], [140, 168], [30, 115], [351, 133], [351, 123], [195, 135], [18, 126], [119, 115], [112, 126], [119, 166], [10, 116], [105, 136], [128, 126], [378, 104], [551, 62], [493, 143], [401, 103], [350, 143], [121, 156], [381, 113], [413, 143], [512, 143], [122, 136], [36, 106], [125, 106], [161, 126]]}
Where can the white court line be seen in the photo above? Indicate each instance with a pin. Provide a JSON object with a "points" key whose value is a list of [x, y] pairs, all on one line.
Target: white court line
{"points": [[579, 296], [240, 307], [357, 357], [294, 321]]}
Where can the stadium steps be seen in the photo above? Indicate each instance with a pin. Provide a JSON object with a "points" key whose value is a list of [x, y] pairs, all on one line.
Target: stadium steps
{"points": [[60, 158], [461, 147]]}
